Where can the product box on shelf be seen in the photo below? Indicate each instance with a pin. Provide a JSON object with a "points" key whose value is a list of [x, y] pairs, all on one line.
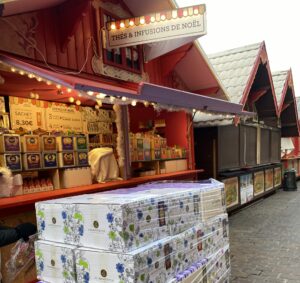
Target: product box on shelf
{"points": [[147, 155], [48, 143], [55, 262], [49, 160], [82, 158], [36, 185], [30, 143], [146, 143], [66, 159], [163, 153], [32, 161], [13, 161], [81, 143], [155, 154], [65, 143], [10, 143], [140, 154], [69, 177]]}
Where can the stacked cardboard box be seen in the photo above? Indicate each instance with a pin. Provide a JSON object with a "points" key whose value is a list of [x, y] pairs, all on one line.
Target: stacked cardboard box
{"points": [[140, 235]]}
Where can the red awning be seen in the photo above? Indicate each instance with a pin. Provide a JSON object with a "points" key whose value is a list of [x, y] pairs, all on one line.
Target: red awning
{"points": [[145, 91]]}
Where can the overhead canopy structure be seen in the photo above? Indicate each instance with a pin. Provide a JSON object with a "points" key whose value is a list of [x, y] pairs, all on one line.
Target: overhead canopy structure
{"points": [[144, 92], [286, 102]]}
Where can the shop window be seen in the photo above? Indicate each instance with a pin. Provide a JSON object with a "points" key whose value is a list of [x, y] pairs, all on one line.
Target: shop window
{"points": [[128, 58]]}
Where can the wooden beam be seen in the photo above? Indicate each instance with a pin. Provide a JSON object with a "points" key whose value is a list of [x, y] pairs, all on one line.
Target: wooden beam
{"points": [[207, 91], [285, 106], [257, 94]]}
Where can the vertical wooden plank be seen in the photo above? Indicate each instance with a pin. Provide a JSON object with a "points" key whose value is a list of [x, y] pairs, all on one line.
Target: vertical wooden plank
{"points": [[71, 54], [40, 37], [80, 46], [87, 35], [50, 41], [62, 57]]}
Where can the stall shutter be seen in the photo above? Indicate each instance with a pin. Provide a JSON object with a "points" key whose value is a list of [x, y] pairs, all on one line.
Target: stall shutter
{"points": [[228, 147]]}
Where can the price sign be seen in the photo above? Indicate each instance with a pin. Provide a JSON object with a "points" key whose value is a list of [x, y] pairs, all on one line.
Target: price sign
{"points": [[26, 113]]}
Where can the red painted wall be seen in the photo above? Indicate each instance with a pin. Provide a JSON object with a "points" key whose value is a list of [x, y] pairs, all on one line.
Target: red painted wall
{"points": [[176, 123]]}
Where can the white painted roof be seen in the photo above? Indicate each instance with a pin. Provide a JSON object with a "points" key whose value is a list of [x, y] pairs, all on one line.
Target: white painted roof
{"points": [[279, 79], [234, 67]]}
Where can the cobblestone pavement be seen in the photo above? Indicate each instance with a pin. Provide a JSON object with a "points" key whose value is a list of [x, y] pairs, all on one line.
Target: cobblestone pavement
{"points": [[265, 240]]}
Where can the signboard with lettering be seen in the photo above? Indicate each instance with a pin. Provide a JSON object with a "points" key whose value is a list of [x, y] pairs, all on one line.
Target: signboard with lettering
{"points": [[183, 22], [27, 113], [62, 117]]}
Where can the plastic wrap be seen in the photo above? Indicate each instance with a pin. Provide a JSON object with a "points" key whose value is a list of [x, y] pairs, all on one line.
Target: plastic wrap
{"points": [[115, 221], [157, 232], [21, 258], [159, 261]]}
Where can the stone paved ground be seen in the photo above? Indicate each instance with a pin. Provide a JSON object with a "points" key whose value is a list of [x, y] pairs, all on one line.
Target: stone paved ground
{"points": [[265, 240]]}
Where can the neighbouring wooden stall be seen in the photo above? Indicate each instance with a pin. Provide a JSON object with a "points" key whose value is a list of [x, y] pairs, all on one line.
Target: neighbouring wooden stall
{"points": [[243, 153]]}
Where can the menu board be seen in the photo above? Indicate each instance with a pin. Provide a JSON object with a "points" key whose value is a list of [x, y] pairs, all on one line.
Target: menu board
{"points": [[27, 113], [32, 114], [269, 179], [62, 117], [277, 177], [231, 191], [259, 183], [246, 188]]}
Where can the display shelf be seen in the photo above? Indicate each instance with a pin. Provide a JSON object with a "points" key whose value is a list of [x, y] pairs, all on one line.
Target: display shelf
{"points": [[155, 160], [17, 204]]}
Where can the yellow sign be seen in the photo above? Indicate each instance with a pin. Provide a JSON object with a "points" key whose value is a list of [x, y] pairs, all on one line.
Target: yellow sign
{"points": [[62, 117], [26, 113]]}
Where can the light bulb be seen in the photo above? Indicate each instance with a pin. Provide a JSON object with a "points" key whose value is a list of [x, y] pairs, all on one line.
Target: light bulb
{"points": [[113, 26], [22, 73], [78, 102], [112, 99], [32, 95], [90, 93], [97, 106], [101, 95], [69, 90], [39, 79], [37, 96], [79, 94], [185, 13], [194, 110], [71, 99], [146, 103], [131, 22], [124, 98], [58, 86], [13, 70], [142, 21], [196, 11], [99, 102], [122, 25], [30, 76], [174, 14], [48, 83], [133, 102], [152, 19], [163, 17]]}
